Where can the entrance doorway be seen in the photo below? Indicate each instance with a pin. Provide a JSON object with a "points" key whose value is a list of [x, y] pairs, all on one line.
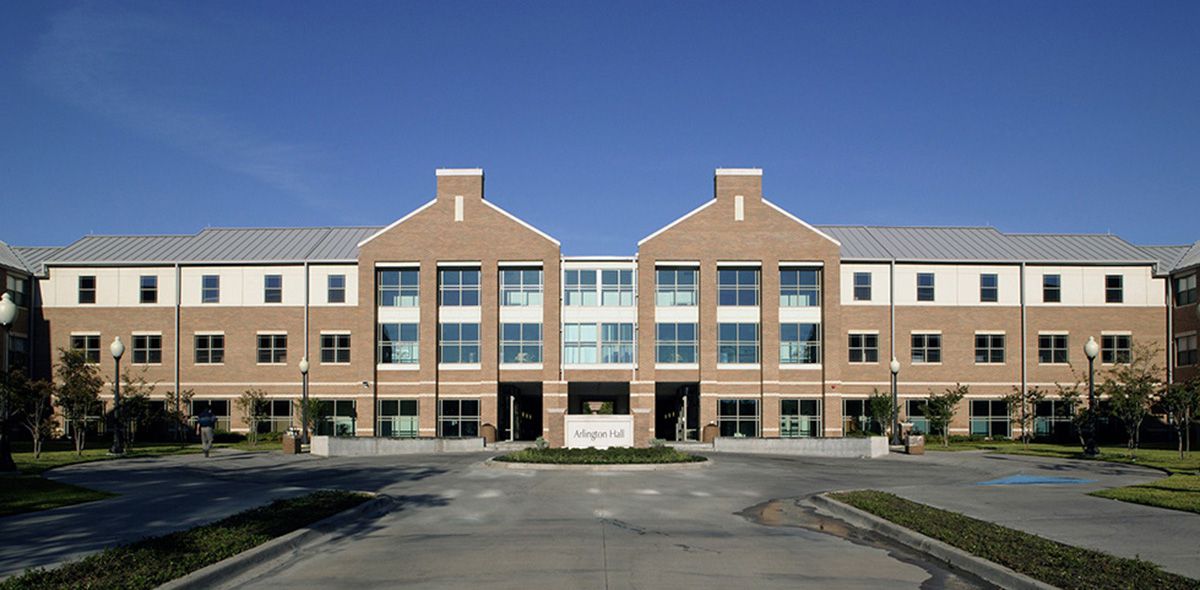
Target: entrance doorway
{"points": [[677, 411], [520, 408], [598, 398]]}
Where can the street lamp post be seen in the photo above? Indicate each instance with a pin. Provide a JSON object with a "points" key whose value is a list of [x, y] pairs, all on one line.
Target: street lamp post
{"points": [[1091, 349], [117, 348], [304, 400], [8, 313], [895, 367]]}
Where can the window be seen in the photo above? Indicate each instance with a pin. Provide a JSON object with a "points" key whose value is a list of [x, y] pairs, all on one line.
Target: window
{"points": [[925, 286], [398, 418], [335, 348], [616, 287], [855, 417], [521, 287], [580, 344], [18, 351], [18, 288], [89, 344], [148, 289], [87, 289], [399, 288], [1051, 288], [1185, 350], [675, 287], [210, 289], [459, 343], [862, 286], [737, 417], [800, 287], [272, 349], [1052, 417], [926, 348], [864, 348], [335, 289], [676, 343], [915, 410], [800, 344], [989, 349], [1115, 349], [399, 344], [273, 289], [147, 349], [616, 343], [210, 349], [737, 287], [989, 418], [799, 418], [1114, 288], [220, 409], [338, 417], [1185, 290], [989, 288], [279, 417], [737, 343], [459, 287], [520, 343], [1052, 349], [459, 417], [579, 287]]}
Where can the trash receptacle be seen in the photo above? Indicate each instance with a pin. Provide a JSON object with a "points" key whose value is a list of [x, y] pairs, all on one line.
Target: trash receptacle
{"points": [[291, 443], [488, 432], [914, 444], [709, 433]]}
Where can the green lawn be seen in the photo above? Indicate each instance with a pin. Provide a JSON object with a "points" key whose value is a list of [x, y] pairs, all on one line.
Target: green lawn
{"points": [[1058, 564], [1177, 492], [29, 493], [155, 561], [612, 456]]}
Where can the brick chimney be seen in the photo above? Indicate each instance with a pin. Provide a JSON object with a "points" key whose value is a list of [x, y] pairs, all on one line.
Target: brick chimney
{"points": [[738, 185], [460, 182]]}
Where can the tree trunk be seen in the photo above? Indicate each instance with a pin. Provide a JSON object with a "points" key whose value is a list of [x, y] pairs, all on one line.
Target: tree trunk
{"points": [[79, 434]]}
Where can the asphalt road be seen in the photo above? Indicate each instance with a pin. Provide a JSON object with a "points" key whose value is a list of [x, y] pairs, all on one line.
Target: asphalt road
{"points": [[456, 522]]}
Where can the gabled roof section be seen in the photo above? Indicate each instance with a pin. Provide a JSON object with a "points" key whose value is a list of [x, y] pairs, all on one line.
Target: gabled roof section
{"points": [[668, 226], [10, 260], [1190, 258], [393, 224], [801, 221], [1168, 256], [34, 256], [522, 222]]}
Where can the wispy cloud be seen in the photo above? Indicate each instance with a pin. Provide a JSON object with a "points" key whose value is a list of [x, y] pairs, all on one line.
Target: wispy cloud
{"points": [[89, 59]]}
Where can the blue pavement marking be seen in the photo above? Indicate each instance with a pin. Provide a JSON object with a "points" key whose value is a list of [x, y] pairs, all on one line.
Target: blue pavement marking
{"points": [[1025, 480]]}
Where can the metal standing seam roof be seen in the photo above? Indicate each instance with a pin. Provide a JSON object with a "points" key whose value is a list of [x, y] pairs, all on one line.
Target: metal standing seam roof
{"points": [[9, 258], [1168, 256], [33, 256], [1190, 258]]}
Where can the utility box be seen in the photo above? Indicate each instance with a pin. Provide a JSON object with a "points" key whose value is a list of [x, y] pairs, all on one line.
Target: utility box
{"points": [[914, 444], [291, 444]]}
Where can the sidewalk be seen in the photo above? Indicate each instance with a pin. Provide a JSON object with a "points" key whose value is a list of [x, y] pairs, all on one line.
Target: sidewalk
{"points": [[1065, 513]]}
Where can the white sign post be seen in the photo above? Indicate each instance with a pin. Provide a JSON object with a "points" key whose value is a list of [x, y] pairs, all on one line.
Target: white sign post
{"points": [[598, 431]]}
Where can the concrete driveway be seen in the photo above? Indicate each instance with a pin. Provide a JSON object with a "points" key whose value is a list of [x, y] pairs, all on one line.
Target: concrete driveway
{"points": [[456, 522]]}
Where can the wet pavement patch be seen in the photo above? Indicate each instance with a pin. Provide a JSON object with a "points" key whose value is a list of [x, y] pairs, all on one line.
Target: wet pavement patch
{"points": [[1033, 480]]}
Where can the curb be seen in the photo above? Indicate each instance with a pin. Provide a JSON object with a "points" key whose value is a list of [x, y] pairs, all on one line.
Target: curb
{"points": [[492, 463], [989, 571], [213, 575]]}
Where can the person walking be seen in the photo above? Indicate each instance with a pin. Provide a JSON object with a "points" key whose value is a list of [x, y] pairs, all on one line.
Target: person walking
{"points": [[206, 422]]}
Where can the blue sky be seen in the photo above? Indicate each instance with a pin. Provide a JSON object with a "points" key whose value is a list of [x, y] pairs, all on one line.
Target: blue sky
{"points": [[599, 122]]}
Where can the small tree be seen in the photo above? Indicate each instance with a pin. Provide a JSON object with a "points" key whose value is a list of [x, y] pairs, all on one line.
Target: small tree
{"points": [[77, 392], [880, 407], [1181, 401], [32, 405], [939, 409], [314, 407], [136, 393], [1131, 389], [1022, 408], [1072, 400], [254, 408], [177, 412]]}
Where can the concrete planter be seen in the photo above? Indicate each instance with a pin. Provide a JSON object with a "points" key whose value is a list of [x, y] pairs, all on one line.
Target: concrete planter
{"points": [[869, 447], [366, 446]]}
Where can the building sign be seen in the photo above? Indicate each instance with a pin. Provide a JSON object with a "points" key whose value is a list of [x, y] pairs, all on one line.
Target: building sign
{"points": [[599, 431]]}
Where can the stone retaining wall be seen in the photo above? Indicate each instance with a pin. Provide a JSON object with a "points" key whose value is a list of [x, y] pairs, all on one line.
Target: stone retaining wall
{"points": [[869, 447], [366, 446]]}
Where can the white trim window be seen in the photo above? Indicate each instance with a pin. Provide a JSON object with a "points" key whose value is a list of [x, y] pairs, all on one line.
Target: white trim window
{"points": [[800, 344], [18, 288], [89, 344], [926, 286], [926, 348], [273, 289], [864, 347], [399, 344], [616, 287], [458, 418], [272, 349], [148, 289], [738, 417], [209, 349], [458, 287], [989, 418], [335, 289], [676, 343], [675, 286], [458, 343], [520, 287], [147, 349], [1185, 290], [579, 288], [737, 343], [1114, 288], [737, 287], [989, 288], [580, 344], [335, 348], [399, 288], [1116, 349], [989, 348], [210, 289], [1053, 349], [799, 418], [616, 343], [521, 343], [862, 286], [399, 418], [87, 289], [799, 287], [1185, 351], [1051, 288]]}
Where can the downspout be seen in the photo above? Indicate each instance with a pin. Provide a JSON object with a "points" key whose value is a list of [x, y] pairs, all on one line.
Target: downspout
{"points": [[1170, 299], [1024, 345], [178, 355], [306, 335], [892, 308]]}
